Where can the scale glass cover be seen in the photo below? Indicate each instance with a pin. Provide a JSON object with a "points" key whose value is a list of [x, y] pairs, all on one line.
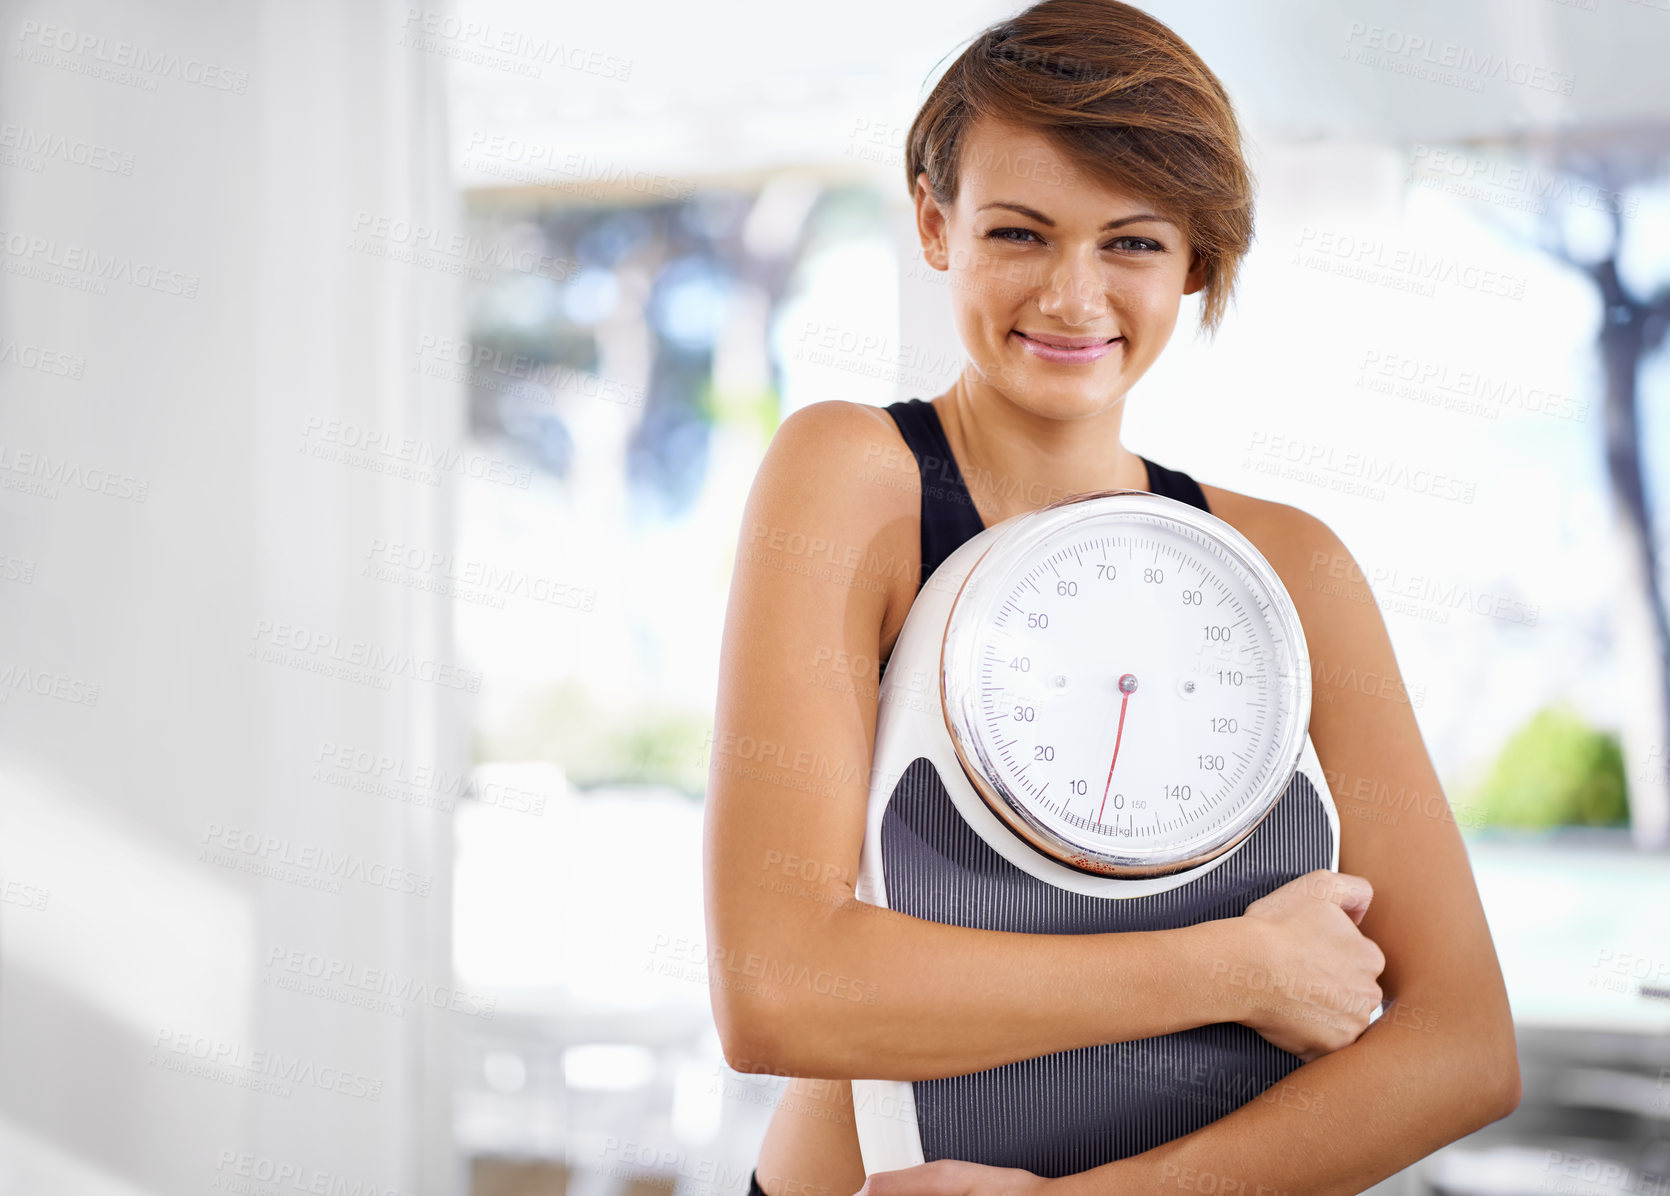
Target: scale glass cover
{"points": [[1125, 683]]}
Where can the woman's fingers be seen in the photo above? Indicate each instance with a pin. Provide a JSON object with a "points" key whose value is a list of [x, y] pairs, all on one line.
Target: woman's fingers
{"points": [[951, 1177]]}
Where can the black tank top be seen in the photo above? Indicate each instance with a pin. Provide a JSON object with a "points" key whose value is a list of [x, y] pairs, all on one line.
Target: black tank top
{"points": [[949, 518]]}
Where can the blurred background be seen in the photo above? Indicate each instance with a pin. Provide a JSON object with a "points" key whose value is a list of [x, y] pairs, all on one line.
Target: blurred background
{"points": [[380, 385]]}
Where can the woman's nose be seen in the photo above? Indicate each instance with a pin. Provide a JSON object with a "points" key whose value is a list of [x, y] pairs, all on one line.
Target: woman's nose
{"points": [[1072, 292]]}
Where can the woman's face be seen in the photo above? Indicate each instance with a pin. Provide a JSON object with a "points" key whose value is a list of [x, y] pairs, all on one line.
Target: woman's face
{"points": [[1057, 310]]}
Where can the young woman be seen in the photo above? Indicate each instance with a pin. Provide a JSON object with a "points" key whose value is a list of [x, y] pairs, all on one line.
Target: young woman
{"points": [[1076, 172]]}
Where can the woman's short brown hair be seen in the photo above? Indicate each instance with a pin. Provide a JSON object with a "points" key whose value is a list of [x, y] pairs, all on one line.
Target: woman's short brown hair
{"points": [[1126, 101]]}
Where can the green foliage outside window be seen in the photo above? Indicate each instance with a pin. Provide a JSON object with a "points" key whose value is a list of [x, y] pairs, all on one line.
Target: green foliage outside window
{"points": [[1557, 770]]}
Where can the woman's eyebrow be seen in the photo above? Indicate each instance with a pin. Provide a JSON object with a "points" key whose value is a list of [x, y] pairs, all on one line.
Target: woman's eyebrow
{"points": [[1034, 214]]}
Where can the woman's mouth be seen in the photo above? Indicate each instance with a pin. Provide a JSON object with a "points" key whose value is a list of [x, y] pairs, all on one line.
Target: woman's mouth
{"points": [[1067, 350]]}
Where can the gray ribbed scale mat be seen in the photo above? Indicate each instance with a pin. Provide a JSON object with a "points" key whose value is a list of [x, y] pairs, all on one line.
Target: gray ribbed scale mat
{"points": [[1068, 1112]]}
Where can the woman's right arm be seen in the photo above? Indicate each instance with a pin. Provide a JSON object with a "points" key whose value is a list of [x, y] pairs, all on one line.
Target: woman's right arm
{"points": [[807, 980]]}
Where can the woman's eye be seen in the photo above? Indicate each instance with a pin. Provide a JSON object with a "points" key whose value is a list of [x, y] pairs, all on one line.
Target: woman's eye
{"points": [[1123, 244]]}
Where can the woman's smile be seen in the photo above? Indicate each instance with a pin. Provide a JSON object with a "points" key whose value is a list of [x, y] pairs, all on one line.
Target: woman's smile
{"points": [[1067, 350]]}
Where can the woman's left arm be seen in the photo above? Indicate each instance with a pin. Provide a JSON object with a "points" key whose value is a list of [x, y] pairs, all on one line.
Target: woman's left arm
{"points": [[1441, 1061]]}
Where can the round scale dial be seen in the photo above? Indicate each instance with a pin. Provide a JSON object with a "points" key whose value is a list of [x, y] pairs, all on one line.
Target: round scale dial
{"points": [[1126, 683]]}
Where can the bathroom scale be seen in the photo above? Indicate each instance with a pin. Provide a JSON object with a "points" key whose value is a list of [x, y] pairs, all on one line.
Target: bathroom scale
{"points": [[1095, 718]]}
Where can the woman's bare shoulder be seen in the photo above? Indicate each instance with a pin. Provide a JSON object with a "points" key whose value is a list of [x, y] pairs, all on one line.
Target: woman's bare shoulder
{"points": [[1285, 534], [839, 433], [839, 484], [843, 464]]}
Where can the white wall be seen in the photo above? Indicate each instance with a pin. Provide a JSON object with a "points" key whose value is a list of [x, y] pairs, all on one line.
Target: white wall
{"points": [[244, 146]]}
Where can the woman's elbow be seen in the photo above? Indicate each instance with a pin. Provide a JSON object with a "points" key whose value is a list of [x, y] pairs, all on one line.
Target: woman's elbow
{"points": [[1495, 1072], [764, 1028], [768, 1024], [780, 1035], [749, 1034], [1508, 1087]]}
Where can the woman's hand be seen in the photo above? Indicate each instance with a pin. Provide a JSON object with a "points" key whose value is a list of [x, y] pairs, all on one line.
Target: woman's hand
{"points": [[1310, 988], [950, 1177]]}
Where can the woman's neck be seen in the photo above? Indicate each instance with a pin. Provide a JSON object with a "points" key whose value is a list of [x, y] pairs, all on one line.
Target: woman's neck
{"points": [[1014, 460]]}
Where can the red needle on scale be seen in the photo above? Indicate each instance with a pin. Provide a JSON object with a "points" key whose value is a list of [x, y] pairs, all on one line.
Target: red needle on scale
{"points": [[1127, 683]]}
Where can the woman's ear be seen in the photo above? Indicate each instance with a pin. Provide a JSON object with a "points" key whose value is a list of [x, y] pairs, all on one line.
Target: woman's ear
{"points": [[1196, 278], [930, 225]]}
